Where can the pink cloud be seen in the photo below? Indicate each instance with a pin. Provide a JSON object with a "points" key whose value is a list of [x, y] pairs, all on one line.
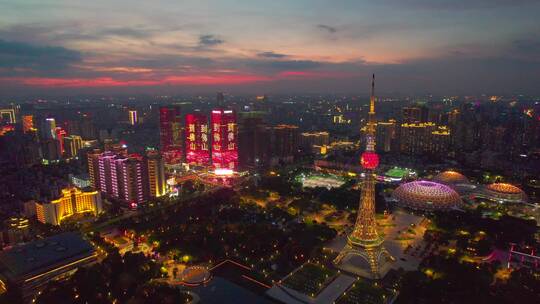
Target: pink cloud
{"points": [[197, 80], [111, 82], [311, 74]]}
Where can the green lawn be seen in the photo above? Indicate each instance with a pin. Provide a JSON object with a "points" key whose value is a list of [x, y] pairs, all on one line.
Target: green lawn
{"points": [[364, 292], [310, 279]]}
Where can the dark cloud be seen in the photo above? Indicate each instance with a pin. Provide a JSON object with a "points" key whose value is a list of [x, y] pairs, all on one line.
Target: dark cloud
{"points": [[285, 65], [209, 40], [527, 47], [458, 4], [23, 55], [271, 55], [168, 62], [126, 32], [327, 28]]}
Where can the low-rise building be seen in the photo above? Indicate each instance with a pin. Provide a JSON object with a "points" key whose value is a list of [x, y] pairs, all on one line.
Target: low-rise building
{"points": [[72, 201], [31, 266]]}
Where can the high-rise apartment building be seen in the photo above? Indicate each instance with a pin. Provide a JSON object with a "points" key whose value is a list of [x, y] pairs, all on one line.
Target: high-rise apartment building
{"points": [[224, 140], [48, 128], [88, 130], [197, 139], [156, 174], [28, 123], [93, 167], [411, 115], [108, 177], [72, 145], [133, 118], [170, 133], [414, 137], [130, 179], [386, 135], [439, 141], [51, 150], [253, 139], [421, 138], [310, 139], [285, 143], [220, 98], [60, 134]]}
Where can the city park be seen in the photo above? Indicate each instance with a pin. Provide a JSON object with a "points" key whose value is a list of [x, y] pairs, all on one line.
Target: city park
{"points": [[295, 234], [282, 235], [278, 232]]}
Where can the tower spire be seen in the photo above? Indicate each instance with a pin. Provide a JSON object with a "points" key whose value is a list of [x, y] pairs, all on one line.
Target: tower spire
{"points": [[364, 245], [372, 98], [370, 128]]}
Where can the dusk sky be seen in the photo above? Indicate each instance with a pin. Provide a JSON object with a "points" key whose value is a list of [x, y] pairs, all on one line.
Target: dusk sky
{"points": [[414, 46]]}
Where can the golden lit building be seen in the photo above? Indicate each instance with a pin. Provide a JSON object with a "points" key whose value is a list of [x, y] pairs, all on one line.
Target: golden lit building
{"points": [[72, 201], [420, 138], [133, 118], [72, 145], [156, 173], [309, 139], [340, 120], [316, 142]]}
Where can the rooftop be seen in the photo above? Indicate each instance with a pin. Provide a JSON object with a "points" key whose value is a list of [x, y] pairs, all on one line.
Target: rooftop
{"points": [[504, 188], [40, 255], [451, 177], [426, 195]]}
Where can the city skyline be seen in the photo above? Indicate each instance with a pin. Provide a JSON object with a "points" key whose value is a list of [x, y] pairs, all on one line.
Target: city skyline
{"points": [[417, 47], [323, 201], [228, 152]]}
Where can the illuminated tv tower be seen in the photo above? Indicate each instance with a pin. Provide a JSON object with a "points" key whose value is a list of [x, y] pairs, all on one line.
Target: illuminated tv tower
{"points": [[364, 253]]}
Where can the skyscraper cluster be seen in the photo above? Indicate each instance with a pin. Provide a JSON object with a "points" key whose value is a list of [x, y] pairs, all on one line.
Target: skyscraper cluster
{"points": [[202, 143]]}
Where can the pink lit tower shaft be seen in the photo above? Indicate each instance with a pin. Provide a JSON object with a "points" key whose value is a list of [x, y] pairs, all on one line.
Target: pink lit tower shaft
{"points": [[364, 254]]}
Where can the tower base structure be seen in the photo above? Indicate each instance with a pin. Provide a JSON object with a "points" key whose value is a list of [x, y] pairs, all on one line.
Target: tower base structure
{"points": [[372, 262]]}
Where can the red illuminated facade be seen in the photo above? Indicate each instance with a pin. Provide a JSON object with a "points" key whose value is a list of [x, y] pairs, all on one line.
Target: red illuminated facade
{"points": [[27, 123], [224, 140], [170, 132], [60, 134], [369, 160], [197, 141]]}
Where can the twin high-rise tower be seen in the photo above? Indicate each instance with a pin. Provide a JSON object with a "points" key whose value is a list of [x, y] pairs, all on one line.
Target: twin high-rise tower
{"points": [[203, 142], [364, 253]]}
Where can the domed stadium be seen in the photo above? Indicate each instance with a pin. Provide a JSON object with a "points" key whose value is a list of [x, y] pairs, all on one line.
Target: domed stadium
{"points": [[426, 195], [505, 192], [451, 178]]}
